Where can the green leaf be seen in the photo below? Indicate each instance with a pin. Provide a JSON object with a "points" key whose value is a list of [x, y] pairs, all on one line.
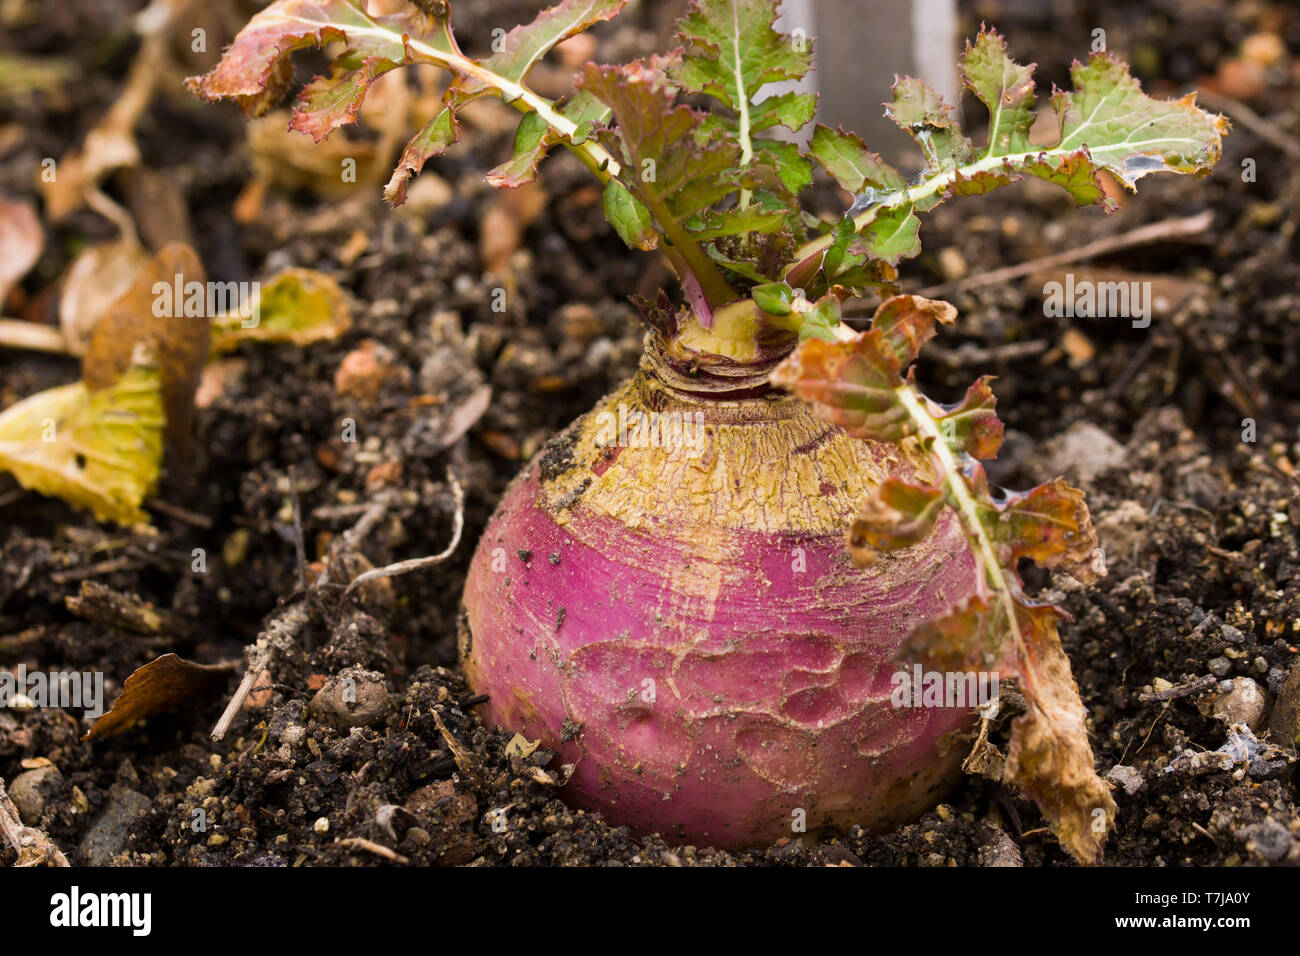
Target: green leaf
{"points": [[732, 50], [735, 222], [1106, 122], [1128, 132], [848, 160], [629, 218], [532, 139], [790, 166], [739, 266], [923, 115], [523, 46], [663, 164], [792, 110], [822, 321], [1005, 88], [585, 112], [893, 235], [773, 298]]}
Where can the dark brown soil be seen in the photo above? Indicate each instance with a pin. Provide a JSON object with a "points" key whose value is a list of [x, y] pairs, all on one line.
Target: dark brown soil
{"points": [[1199, 526]]}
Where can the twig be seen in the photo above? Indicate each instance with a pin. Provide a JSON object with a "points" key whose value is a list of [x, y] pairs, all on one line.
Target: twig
{"points": [[16, 643], [103, 605], [288, 621], [90, 570], [1183, 228], [414, 564], [1145, 740], [969, 354], [1252, 121], [278, 635], [360, 843], [34, 847], [1182, 690], [17, 334], [179, 513]]}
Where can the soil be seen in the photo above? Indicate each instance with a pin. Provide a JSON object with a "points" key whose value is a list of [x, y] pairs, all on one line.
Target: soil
{"points": [[1199, 526]]}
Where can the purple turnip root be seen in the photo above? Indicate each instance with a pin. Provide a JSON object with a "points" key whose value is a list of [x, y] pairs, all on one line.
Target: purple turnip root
{"points": [[685, 626]]}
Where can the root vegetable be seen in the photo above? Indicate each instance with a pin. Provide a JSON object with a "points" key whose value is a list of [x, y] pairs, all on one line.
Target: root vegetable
{"points": [[682, 620]]}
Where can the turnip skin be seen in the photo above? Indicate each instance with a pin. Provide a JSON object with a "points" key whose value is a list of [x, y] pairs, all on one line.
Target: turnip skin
{"points": [[640, 610]]}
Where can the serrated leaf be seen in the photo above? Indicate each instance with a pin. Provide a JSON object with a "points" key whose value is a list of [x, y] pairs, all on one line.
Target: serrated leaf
{"points": [[662, 163], [300, 306], [907, 322], [532, 140], [1128, 132], [822, 321], [899, 515], [739, 266], [629, 218], [1049, 524], [790, 166], [971, 426], [100, 450], [440, 134], [793, 110], [732, 50], [853, 166], [525, 45], [328, 102], [850, 384], [1005, 88], [256, 63], [1048, 757], [1106, 122], [922, 114], [853, 383], [893, 235], [735, 222]]}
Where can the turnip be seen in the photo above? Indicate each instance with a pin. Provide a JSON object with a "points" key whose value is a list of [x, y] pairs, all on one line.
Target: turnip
{"points": [[707, 592]]}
